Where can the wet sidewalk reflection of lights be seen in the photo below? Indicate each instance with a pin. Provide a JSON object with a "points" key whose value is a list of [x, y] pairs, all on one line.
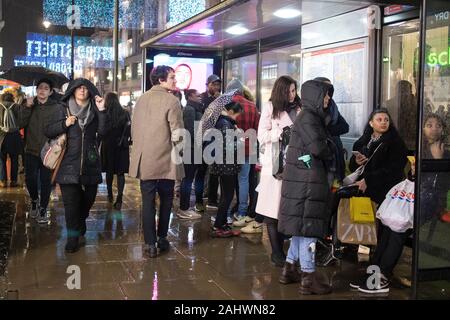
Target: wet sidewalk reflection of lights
{"points": [[155, 287]]}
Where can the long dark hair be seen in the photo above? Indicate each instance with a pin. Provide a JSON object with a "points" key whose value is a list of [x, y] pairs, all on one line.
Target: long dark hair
{"points": [[280, 95], [369, 130], [117, 114]]}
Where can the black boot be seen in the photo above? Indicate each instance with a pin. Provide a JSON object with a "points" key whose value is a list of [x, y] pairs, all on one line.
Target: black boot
{"points": [[72, 245], [118, 203], [290, 274], [311, 285]]}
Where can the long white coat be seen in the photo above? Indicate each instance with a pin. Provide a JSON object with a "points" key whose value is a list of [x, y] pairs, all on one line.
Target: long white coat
{"points": [[269, 188]]}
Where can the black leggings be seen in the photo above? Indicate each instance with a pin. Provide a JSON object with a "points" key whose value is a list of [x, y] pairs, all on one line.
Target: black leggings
{"points": [[276, 238], [227, 188], [120, 183]]}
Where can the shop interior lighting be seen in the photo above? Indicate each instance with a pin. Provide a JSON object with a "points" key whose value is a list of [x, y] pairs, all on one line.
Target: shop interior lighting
{"points": [[287, 13], [237, 30]]}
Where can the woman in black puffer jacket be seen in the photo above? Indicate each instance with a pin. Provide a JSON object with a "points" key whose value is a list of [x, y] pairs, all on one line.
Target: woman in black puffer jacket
{"points": [[306, 189], [80, 170]]}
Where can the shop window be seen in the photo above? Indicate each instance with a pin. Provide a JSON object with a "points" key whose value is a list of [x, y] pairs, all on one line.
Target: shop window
{"points": [[276, 63], [399, 77], [244, 69]]}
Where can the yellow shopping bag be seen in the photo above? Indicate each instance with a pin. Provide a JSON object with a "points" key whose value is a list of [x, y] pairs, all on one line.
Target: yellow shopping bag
{"points": [[361, 210]]}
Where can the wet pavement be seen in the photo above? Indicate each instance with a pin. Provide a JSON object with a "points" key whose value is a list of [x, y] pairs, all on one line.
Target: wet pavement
{"points": [[112, 265]]}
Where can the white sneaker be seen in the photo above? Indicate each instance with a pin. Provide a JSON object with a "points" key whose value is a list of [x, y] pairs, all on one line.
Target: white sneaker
{"points": [[188, 214], [230, 220], [43, 216], [242, 221], [253, 227], [34, 212], [54, 197]]}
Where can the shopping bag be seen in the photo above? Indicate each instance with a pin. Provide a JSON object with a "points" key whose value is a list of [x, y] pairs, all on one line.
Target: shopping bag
{"points": [[397, 210], [361, 210], [351, 232]]}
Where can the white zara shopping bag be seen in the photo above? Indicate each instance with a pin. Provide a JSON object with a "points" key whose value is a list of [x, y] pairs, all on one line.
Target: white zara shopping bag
{"points": [[397, 210]]}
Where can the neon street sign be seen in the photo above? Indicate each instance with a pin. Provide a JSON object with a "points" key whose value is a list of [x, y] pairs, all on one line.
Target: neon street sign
{"points": [[439, 58]]}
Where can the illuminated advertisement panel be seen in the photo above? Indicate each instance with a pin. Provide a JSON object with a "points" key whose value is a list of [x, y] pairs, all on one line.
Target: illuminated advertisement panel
{"points": [[191, 73]]}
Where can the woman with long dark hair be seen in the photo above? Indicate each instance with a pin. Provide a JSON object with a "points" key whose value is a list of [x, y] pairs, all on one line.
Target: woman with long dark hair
{"points": [[279, 114], [115, 149]]}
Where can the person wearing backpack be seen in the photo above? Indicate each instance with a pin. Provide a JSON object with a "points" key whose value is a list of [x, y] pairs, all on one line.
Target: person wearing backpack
{"points": [[11, 120], [37, 177]]}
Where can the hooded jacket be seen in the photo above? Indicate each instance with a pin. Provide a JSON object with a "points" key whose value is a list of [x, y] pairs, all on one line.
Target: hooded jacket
{"points": [[81, 162], [305, 191], [11, 142]]}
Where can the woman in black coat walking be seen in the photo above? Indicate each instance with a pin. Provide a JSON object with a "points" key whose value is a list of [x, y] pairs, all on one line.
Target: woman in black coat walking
{"points": [[115, 149], [384, 154], [306, 189], [82, 116]]}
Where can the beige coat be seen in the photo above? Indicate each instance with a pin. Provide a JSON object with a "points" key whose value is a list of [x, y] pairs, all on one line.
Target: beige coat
{"points": [[156, 118]]}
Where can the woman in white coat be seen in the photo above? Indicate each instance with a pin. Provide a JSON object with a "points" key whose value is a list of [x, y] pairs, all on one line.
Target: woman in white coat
{"points": [[281, 113]]}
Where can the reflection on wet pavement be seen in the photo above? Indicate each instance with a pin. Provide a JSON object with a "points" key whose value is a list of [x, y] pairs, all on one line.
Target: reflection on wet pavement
{"points": [[113, 266]]}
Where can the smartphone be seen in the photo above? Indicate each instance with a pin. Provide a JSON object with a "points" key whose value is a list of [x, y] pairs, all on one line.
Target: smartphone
{"points": [[357, 153]]}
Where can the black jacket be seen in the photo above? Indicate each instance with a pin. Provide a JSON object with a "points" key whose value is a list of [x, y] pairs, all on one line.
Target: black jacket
{"points": [[305, 192], [40, 115], [337, 128], [206, 99], [81, 162], [386, 168], [223, 124]]}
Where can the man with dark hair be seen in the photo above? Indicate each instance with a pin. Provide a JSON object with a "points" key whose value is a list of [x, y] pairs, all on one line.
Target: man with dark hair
{"points": [[37, 177], [213, 84], [157, 120]]}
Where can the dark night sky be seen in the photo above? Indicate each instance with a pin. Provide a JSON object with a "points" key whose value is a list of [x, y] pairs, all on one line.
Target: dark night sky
{"points": [[21, 16]]}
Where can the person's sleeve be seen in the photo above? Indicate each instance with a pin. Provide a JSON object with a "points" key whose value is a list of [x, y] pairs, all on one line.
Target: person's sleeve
{"points": [[189, 119], [395, 162], [104, 123], [175, 119], [23, 115], [314, 137], [57, 125], [267, 134], [340, 128]]}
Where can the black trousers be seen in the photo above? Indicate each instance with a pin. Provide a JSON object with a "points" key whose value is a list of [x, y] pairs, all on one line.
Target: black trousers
{"points": [[165, 189], [36, 172], [389, 249], [213, 186], [227, 188], [78, 201]]}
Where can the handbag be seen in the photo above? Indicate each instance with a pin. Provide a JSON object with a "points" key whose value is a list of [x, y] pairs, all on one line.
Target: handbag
{"points": [[353, 177], [397, 210], [361, 210], [280, 160], [53, 151], [352, 232]]}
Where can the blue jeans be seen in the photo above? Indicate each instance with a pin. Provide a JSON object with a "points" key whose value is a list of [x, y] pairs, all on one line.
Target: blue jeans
{"points": [[148, 191], [303, 249], [242, 190], [244, 185]]}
